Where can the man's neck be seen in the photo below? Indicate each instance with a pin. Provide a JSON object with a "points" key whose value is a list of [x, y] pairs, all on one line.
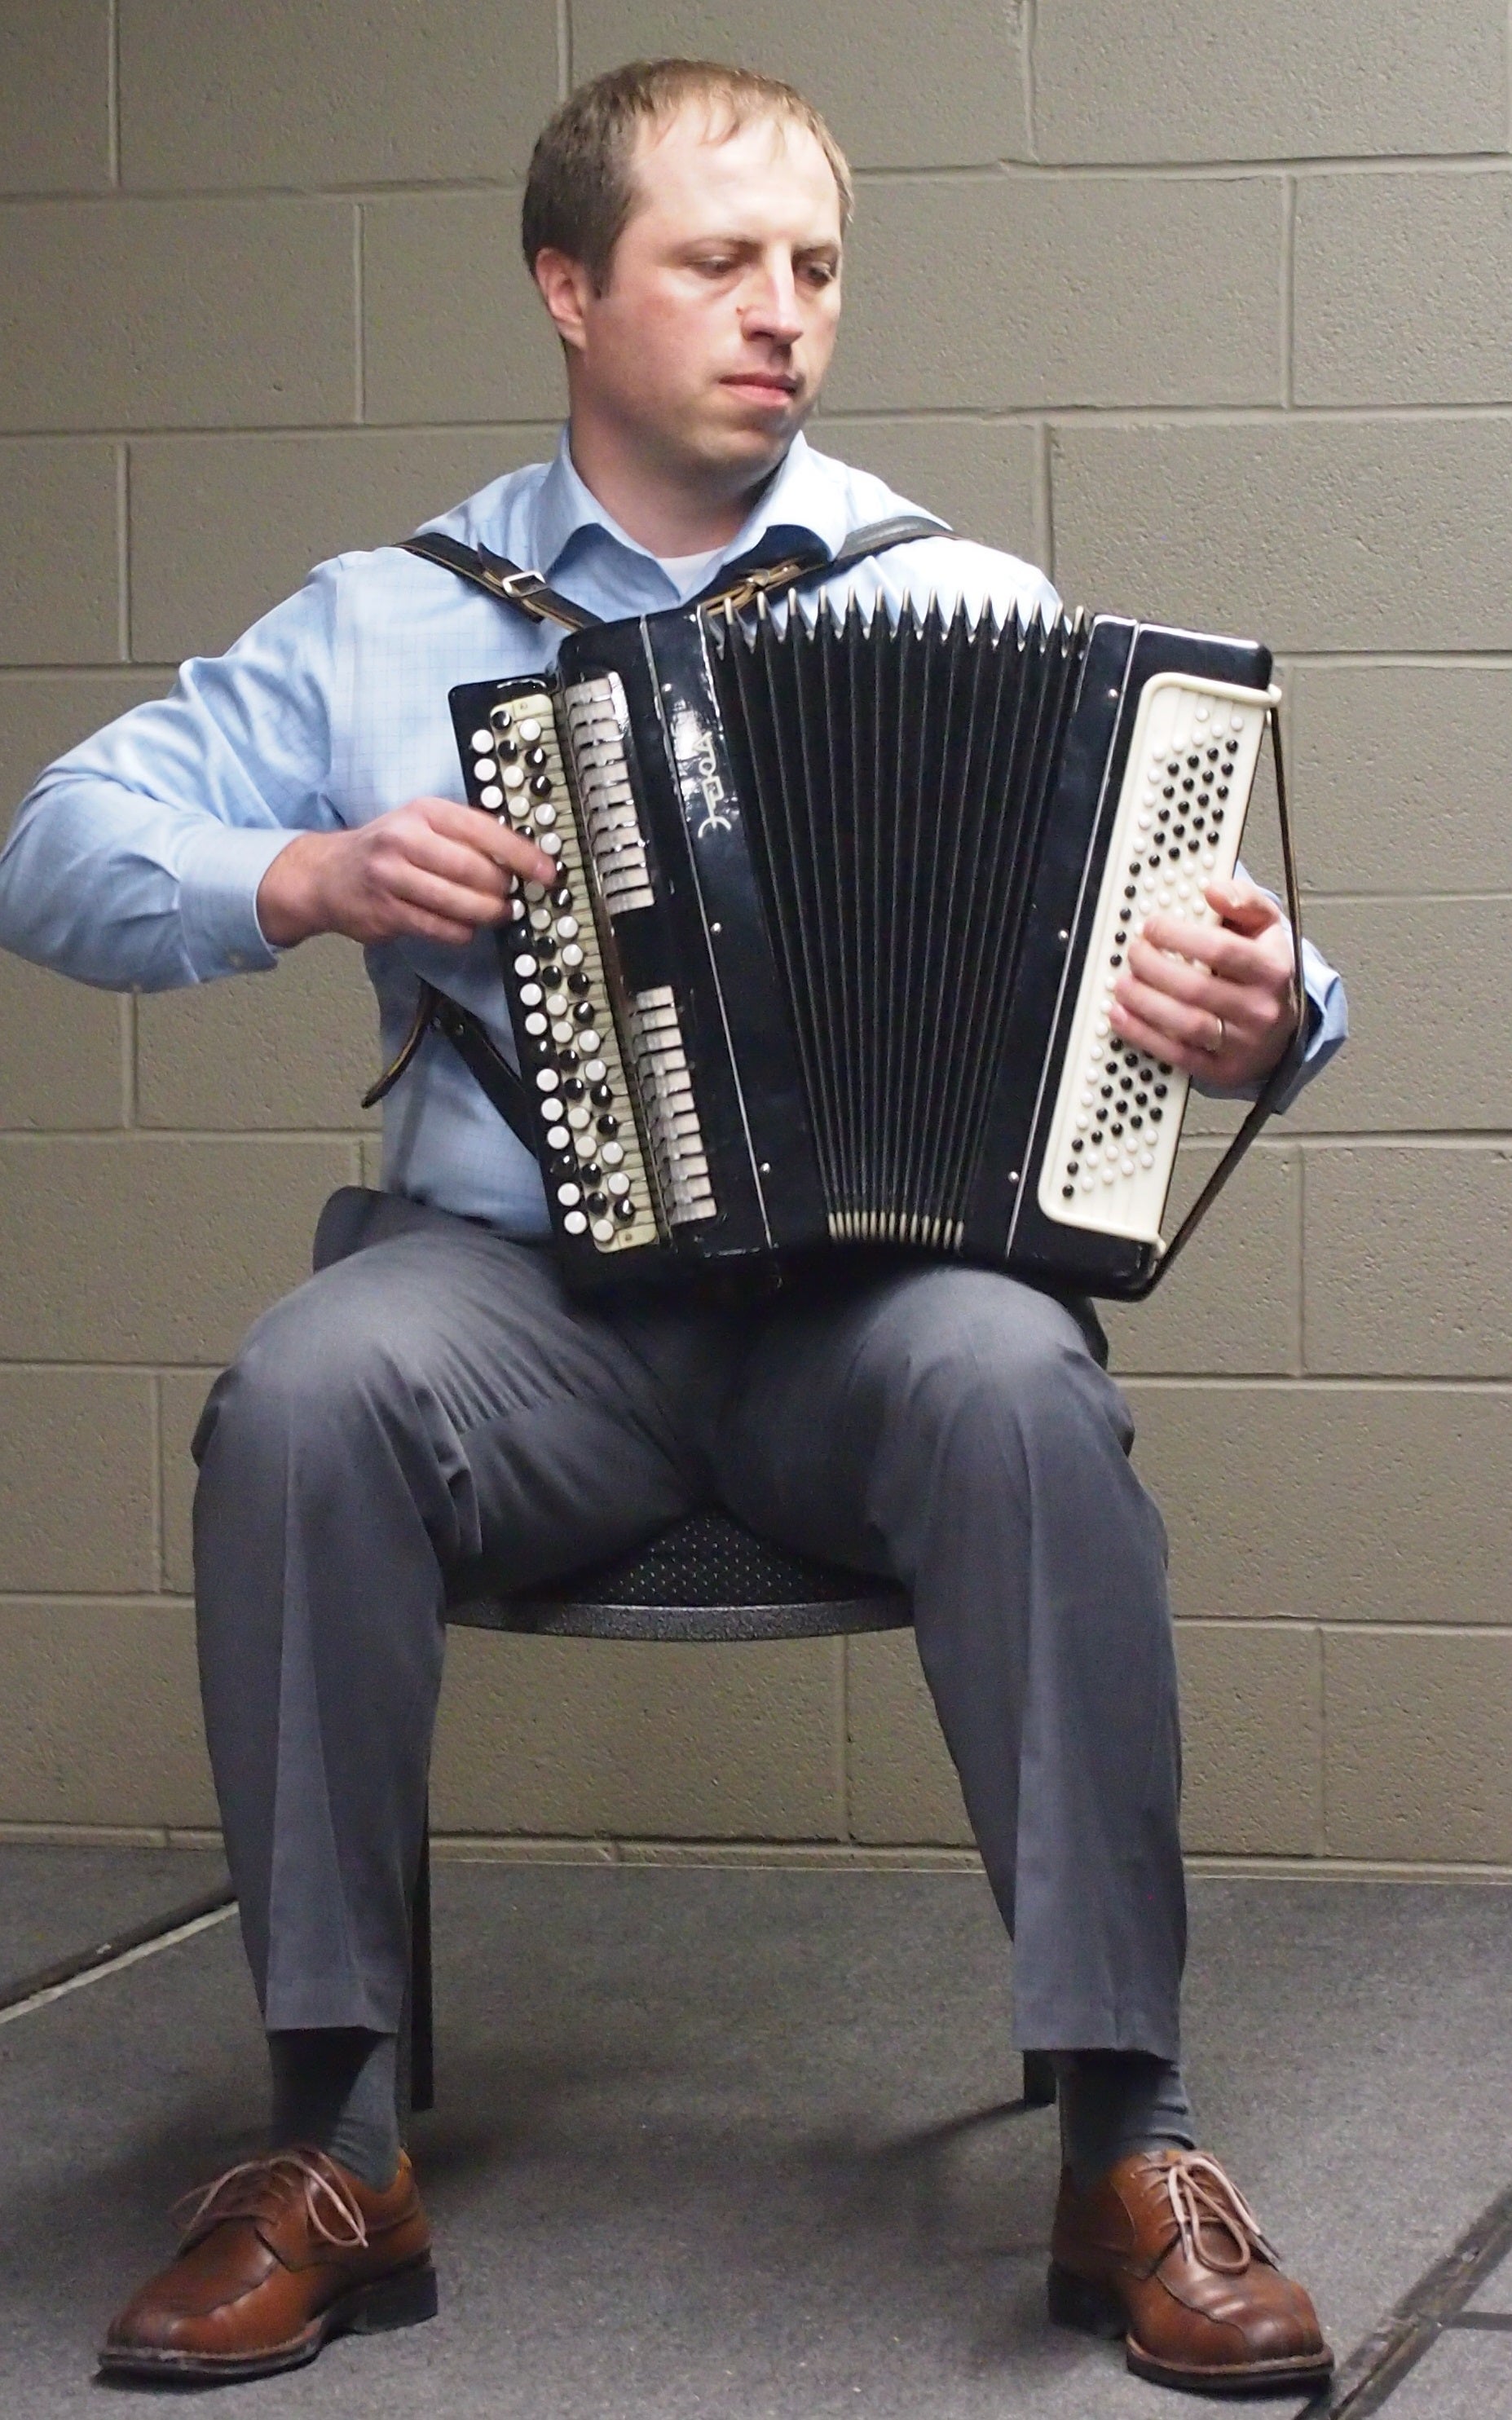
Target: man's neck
{"points": [[661, 508]]}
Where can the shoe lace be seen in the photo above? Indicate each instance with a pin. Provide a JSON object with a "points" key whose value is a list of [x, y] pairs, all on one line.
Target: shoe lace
{"points": [[1203, 2195], [249, 2189]]}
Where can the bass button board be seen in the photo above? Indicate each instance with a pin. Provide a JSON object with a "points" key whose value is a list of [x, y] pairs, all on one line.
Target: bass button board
{"points": [[569, 1032]]}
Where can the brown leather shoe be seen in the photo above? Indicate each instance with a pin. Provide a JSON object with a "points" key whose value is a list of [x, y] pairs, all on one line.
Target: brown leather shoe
{"points": [[1164, 2252], [278, 2255]]}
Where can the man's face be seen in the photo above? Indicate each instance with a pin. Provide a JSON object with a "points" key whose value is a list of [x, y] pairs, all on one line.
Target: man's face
{"points": [[712, 337]]}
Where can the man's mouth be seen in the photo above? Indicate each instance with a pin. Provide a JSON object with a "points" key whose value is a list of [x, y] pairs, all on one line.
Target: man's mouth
{"points": [[763, 386]]}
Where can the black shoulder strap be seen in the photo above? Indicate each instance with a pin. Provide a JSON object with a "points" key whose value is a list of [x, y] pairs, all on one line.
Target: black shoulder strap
{"points": [[500, 578], [503, 581]]}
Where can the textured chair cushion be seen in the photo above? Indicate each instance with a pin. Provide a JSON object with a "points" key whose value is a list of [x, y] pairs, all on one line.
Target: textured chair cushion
{"points": [[704, 1577]]}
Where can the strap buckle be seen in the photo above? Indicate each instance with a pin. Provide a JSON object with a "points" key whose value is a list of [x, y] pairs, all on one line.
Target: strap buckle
{"points": [[756, 583], [515, 587]]}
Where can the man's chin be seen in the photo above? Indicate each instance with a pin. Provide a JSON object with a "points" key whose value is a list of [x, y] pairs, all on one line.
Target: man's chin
{"points": [[757, 435]]}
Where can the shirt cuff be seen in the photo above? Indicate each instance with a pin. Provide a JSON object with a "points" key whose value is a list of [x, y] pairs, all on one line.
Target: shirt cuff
{"points": [[220, 869]]}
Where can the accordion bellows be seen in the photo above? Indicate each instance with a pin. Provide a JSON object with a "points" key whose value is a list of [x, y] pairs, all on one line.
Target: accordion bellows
{"points": [[841, 901], [897, 888]]}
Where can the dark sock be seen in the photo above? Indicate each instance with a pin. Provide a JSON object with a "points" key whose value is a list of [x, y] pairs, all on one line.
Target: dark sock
{"points": [[1117, 2101], [334, 2086]]}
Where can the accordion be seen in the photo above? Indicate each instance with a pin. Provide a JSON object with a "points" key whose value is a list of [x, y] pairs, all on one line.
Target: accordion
{"points": [[841, 900]]}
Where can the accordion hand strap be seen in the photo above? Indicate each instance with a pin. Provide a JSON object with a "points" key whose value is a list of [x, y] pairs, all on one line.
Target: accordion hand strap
{"points": [[436, 1013]]}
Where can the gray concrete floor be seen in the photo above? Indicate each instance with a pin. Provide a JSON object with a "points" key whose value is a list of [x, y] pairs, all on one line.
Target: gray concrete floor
{"points": [[56, 1903], [721, 2145]]}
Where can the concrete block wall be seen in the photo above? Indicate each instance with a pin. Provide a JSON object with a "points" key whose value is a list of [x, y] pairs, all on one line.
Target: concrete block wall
{"points": [[1209, 311]]}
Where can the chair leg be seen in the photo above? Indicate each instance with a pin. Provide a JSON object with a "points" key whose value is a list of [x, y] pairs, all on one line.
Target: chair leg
{"points": [[421, 2061], [1038, 2079]]}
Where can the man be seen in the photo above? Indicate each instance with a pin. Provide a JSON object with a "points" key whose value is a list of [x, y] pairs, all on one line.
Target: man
{"points": [[431, 1406]]}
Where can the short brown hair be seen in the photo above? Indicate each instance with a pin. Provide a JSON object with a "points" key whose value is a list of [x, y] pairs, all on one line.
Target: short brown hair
{"points": [[579, 193]]}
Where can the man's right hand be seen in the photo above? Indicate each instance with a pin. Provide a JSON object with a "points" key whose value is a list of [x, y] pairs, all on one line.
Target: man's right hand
{"points": [[432, 870]]}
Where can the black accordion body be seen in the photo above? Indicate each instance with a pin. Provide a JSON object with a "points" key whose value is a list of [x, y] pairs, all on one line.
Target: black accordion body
{"points": [[841, 901]]}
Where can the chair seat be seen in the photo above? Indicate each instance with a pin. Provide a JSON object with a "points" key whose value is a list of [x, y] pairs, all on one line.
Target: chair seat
{"points": [[706, 1577]]}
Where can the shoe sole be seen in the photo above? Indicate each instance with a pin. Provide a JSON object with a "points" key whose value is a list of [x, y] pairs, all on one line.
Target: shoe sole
{"points": [[401, 2300], [1095, 2310]]}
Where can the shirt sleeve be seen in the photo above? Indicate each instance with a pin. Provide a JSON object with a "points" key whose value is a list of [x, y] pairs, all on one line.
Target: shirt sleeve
{"points": [[134, 862]]}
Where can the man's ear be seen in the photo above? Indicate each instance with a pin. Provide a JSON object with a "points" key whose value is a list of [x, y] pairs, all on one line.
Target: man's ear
{"points": [[566, 290]]}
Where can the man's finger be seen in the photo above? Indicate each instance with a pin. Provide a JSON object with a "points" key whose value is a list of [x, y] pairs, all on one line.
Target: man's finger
{"points": [[435, 852], [1242, 906], [1142, 1036], [460, 904], [474, 829], [1235, 957], [1190, 1023], [1208, 952]]}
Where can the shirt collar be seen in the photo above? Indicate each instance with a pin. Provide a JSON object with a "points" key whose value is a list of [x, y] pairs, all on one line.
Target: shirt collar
{"points": [[797, 506]]}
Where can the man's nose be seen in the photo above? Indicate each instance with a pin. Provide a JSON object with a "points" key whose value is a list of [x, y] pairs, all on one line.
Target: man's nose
{"points": [[770, 305]]}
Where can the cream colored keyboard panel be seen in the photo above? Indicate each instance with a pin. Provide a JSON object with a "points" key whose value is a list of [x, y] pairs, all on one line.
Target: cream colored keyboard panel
{"points": [[1117, 1116]]}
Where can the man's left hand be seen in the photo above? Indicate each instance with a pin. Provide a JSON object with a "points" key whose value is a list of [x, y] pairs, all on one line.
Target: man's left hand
{"points": [[1214, 1000]]}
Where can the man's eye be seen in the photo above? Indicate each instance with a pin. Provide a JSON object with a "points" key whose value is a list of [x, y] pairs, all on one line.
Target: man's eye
{"points": [[714, 265]]}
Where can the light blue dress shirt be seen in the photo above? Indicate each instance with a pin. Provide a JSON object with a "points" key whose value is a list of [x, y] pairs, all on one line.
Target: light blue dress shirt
{"points": [[135, 863]]}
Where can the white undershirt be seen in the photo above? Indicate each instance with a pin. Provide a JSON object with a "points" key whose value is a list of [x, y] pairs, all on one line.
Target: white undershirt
{"points": [[688, 572]]}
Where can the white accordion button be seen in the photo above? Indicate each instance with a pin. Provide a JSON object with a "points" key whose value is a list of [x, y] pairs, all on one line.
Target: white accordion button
{"points": [[548, 1079], [482, 741], [492, 798], [557, 1138], [570, 1196], [567, 930], [525, 966], [529, 729], [575, 1223]]}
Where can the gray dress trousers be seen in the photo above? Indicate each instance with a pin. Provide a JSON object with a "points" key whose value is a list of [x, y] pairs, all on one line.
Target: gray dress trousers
{"points": [[432, 1415]]}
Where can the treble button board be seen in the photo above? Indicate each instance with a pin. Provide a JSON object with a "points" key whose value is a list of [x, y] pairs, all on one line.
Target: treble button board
{"points": [[1108, 1163], [595, 1169]]}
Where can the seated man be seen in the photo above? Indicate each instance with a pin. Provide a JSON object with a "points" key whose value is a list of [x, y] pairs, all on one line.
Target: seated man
{"points": [[434, 1407]]}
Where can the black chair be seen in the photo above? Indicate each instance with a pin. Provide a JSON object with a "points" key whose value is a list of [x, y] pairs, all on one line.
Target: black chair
{"points": [[705, 1578]]}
